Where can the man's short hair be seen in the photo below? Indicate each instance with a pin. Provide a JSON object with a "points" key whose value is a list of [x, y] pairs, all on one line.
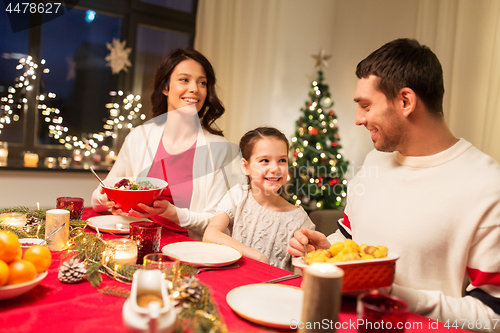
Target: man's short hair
{"points": [[405, 63]]}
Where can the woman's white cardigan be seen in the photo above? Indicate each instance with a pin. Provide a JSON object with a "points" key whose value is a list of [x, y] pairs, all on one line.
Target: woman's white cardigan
{"points": [[215, 170]]}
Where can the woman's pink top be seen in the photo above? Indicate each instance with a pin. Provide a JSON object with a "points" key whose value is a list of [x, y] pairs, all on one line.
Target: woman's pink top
{"points": [[177, 170]]}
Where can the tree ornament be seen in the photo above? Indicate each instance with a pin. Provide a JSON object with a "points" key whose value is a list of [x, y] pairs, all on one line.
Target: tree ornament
{"points": [[334, 144], [313, 131], [321, 59], [332, 113], [326, 102], [301, 131], [118, 56], [72, 271]]}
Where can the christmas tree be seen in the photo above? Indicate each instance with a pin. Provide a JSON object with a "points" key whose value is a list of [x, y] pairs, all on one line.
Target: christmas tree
{"points": [[317, 167]]}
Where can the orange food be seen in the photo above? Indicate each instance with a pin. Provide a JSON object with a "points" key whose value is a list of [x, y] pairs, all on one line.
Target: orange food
{"points": [[10, 248], [39, 256], [21, 271], [4, 273]]}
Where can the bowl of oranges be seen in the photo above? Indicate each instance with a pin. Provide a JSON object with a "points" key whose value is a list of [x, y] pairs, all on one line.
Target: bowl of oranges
{"points": [[365, 266], [21, 271]]}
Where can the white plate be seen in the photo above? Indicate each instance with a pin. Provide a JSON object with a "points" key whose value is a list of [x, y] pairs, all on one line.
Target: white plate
{"points": [[273, 305], [14, 290], [299, 263], [111, 223], [202, 254]]}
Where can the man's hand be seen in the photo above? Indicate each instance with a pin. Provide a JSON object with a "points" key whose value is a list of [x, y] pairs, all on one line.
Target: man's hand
{"points": [[314, 239]]}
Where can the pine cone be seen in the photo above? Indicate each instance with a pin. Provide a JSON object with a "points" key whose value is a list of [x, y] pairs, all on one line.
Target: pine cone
{"points": [[189, 290], [30, 222], [72, 271]]}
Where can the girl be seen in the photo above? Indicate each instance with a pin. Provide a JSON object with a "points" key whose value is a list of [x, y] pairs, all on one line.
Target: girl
{"points": [[261, 222], [181, 144]]}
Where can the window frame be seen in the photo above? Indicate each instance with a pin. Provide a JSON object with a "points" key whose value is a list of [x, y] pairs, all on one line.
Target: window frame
{"points": [[132, 13]]}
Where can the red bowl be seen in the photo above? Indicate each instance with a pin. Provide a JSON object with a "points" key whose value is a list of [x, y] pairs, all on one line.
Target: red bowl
{"points": [[362, 275], [128, 199]]}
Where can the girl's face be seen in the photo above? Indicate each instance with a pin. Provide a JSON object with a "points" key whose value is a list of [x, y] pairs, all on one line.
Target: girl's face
{"points": [[268, 165], [187, 87]]}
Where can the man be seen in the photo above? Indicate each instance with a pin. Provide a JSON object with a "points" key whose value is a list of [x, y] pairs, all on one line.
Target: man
{"points": [[426, 195]]}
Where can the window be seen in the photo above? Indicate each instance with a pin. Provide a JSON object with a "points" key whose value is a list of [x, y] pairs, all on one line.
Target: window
{"points": [[81, 82]]}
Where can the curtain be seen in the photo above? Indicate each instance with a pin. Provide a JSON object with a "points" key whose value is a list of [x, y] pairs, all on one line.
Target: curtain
{"points": [[465, 35]]}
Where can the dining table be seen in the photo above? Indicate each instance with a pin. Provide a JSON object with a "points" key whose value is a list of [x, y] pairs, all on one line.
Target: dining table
{"points": [[53, 306]]}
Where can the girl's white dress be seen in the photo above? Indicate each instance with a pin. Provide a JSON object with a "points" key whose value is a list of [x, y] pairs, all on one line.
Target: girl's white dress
{"points": [[261, 229]]}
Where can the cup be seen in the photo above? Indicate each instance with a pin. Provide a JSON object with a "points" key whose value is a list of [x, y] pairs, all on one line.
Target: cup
{"points": [[147, 236], [74, 205], [381, 313], [322, 287], [168, 266], [54, 218], [4, 152]]}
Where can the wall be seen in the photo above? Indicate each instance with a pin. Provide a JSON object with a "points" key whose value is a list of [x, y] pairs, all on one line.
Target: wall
{"points": [[26, 188]]}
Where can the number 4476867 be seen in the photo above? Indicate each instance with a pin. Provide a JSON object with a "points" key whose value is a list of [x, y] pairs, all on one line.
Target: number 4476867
{"points": [[31, 7], [472, 324]]}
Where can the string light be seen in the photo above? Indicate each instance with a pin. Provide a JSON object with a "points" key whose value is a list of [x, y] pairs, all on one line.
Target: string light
{"points": [[126, 114]]}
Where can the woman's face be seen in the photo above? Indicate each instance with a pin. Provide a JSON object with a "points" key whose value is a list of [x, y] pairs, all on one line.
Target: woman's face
{"points": [[187, 87]]}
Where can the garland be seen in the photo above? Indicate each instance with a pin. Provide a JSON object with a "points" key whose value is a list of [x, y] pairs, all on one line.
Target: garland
{"points": [[199, 311]]}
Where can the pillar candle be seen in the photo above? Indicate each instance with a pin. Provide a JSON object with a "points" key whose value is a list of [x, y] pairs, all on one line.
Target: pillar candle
{"points": [[54, 219], [322, 287]]}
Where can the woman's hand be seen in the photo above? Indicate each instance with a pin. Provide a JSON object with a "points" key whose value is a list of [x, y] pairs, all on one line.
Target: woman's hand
{"points": [[159, 207], [314, 239], [115, 210]]}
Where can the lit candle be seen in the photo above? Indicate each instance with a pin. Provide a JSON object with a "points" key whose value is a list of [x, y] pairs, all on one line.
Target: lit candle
{"points": [[125, 251], [63, 162], [54, 219], [17, 220], [30, 160], [3, 153], [50, 162]]}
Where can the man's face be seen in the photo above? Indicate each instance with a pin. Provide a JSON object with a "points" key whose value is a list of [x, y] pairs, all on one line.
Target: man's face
{"points": [[379, 116]]}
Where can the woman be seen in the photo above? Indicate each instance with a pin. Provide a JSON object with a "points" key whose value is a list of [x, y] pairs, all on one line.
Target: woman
{"points": [[181, 144]]}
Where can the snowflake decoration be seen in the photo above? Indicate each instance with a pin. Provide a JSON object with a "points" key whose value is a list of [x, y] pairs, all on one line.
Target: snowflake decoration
{"points": [[118, 56], [321, 60]]}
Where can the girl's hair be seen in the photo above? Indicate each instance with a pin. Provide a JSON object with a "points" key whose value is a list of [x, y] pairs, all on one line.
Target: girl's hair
{"points": [[250, 138], [211, 110]]}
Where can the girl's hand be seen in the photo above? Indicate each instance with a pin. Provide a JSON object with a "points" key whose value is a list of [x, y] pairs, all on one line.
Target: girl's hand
{"points": [[314, 239], [159, 207], [262, 258]]}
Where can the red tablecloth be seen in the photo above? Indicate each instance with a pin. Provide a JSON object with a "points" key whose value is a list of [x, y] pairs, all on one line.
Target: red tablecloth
{"points": [[56, 307]]}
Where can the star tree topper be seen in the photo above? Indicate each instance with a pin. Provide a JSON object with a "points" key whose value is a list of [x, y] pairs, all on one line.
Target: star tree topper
{"points": [[118, 56], [321, 59]]}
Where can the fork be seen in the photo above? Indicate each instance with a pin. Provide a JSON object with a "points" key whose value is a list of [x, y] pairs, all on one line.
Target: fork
{"points": [[202, 269]]}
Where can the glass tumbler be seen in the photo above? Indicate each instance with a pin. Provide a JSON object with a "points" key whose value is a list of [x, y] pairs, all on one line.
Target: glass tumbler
{"points": [[147, 235]]}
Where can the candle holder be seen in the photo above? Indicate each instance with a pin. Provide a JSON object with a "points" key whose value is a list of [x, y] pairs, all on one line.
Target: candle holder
{"points": [[74, 205], [30, 159], [147, 236], [122, 251], [17, 220], [4, 152]]}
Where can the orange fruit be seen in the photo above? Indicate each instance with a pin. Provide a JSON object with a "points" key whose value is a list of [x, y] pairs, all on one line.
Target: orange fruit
{"points": [[4, 272], [10, 248], [21, 271], [39, 256]]}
